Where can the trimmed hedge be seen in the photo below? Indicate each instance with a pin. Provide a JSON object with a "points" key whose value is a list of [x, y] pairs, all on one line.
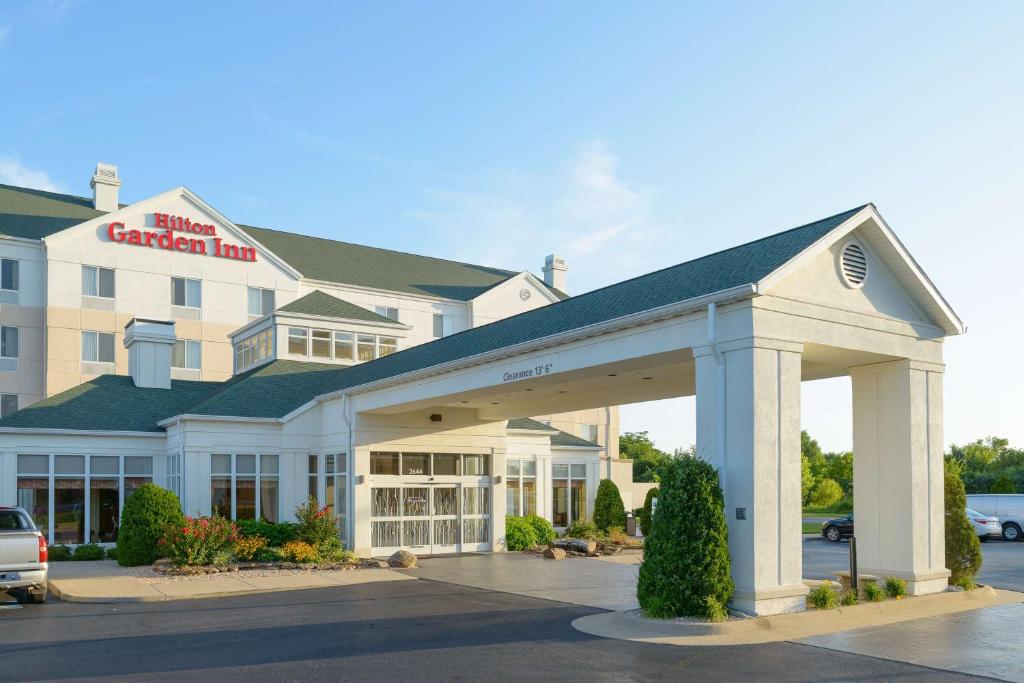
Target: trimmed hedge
{"points": [[275, 534], [645, 511], [146, 513], [685, 571], [88, 551], [963, 550], [609, 512], [519, 534], [542, 527]]}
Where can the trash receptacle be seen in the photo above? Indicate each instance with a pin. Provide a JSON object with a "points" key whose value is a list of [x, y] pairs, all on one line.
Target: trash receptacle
{"points": [[630, 524]]}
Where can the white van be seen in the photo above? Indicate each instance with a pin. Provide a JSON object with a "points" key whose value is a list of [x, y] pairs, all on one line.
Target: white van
{"points": [[1008, 507]]}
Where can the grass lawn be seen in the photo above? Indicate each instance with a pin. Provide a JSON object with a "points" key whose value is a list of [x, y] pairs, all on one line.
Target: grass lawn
{"points": [[818, 512], [811, 528]]}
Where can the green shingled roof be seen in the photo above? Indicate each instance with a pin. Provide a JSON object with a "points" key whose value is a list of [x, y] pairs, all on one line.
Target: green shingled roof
{"points": [[560, 438], [111, 403], [321, 303], [275, 389], [332, 261], [34, 214]]}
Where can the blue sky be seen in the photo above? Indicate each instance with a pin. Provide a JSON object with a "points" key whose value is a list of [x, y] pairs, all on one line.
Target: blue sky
{"points": [[626, 136]]}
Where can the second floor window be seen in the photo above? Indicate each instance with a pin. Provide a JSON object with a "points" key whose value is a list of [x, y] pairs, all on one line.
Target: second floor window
{"points": [[8, 404], [8, 342], [261, 301], [187, 354], [9, 274], [589, 432], [186, 292], [388, 312], [98, 282], [97, 347]]}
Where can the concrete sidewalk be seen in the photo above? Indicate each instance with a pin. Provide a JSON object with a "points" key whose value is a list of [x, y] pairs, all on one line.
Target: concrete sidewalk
{"points": [[106, 582]]}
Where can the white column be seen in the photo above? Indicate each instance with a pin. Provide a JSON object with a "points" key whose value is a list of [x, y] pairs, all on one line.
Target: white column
{"points": [[498, 474], [898, 473], [748, 426], [360, 476]]}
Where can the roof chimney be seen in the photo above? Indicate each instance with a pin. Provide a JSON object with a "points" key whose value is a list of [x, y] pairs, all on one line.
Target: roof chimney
{"points": [[149, 344], [104, 186], [554, 272]]}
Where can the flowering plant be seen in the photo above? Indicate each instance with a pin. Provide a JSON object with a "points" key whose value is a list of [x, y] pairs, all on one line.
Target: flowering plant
{"points": [[246, 548], [299, 551], [197, 540], [316, 525]]}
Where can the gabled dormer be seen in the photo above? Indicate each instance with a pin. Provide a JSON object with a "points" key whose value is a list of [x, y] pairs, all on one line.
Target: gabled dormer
{"points": [[319, 328]]}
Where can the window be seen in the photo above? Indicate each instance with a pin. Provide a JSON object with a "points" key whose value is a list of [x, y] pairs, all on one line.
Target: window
{"points": [[254, 349], [476, 465], [298, 341], [8, 342], [384, 463], [569, 493], [589, 432], [344, 346], [335, 491], [261, 301], [98, 282], [388, 312], [9, 274], [366, 347], [88, 493], [8, 404], [174, 473], [444, 325], [186, 292], [386, 346], [321, 343], [98, 347], [416, 464], [245, 486], [521, 487], [187, 354]]}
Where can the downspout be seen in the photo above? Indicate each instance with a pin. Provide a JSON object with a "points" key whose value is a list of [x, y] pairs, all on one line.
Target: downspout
{"points": [[350, 479], [716, 353], [608, 438]]}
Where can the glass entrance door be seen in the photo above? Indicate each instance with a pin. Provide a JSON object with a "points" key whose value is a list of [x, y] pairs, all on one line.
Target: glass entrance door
{"points": [[445, 518], [428, 519]]}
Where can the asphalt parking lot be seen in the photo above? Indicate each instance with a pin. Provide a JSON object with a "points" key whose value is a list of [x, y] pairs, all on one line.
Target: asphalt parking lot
{"points": [[1002, 567]]}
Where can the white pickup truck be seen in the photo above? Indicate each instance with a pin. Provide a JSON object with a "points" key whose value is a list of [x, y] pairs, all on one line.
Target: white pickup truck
{"points": [[23, 556]]}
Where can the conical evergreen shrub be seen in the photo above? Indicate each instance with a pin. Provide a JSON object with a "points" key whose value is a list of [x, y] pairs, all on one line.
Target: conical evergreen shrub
{"points": [[685, 571], [963, 551], [609, 512], [145, 514], [645, 513]]}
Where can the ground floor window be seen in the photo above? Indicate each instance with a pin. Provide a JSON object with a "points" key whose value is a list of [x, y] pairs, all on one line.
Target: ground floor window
{"points": [[245, 486], [77, 499], [332, 470], [569, 493], [520, 487]]}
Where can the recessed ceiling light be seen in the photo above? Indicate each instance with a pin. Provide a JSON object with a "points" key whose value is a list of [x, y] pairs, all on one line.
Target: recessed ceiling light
{"points": [[646, 378], [612, 374], [463, 401], [562, 391], [494, 403], [529, 389]]}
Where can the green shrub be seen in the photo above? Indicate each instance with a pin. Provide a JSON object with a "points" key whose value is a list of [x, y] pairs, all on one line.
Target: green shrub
{"points": [[197, 540], [146, 514], [849, 598], [686, 554], [316, 526], [581, 528], [111, 553], [645, 511], [1003, 484], [267, 554], [823, 597], [245, 549], [542, 527], [895, 587], [88, 552], [299, 551], [275, 534], [58, 553], [827, 492], [609, 511], [963, 551], [222, 558], [519, 534], [967, 583], [714, 610], [873, 592]]}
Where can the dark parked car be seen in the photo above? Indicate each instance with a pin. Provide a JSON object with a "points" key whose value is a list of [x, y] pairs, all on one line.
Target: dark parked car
{"points": [[837, 529]]}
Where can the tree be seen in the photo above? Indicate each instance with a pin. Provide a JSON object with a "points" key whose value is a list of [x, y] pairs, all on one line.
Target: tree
{"points": [[806, 480], [645, 512], [963, 551], [685, 570], [840, 468], [146, 513], [609, 511], [826, 493], [1003, 485], [648, 460]]}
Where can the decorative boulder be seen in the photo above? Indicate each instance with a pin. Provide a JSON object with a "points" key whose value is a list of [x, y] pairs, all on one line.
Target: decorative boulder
{"points": [[402, 559], [579, 545], [554, 553]]}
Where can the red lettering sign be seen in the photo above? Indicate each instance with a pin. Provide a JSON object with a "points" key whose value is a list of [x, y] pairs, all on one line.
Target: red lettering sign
{"points": [[167, 240]]}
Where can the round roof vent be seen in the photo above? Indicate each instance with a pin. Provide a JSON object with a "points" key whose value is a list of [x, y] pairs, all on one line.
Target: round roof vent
{"points": [[854, 264]]}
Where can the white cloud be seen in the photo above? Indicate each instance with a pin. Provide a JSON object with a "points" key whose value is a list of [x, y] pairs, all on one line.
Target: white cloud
{"points": [[13, 172], [5, 32], [585, 211]]}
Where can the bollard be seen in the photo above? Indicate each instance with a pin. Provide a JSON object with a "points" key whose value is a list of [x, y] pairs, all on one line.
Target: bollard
{"points": [[853, 563]]}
